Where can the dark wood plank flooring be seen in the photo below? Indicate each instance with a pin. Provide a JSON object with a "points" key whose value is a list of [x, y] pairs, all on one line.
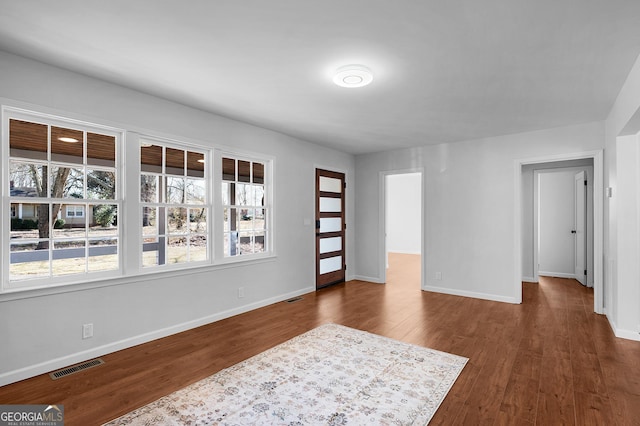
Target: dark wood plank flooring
{"points": [[548, 361]]}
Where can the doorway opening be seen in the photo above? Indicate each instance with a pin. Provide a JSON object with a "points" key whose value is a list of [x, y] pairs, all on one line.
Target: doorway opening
{"points": [[403, 235], [547, 246]]}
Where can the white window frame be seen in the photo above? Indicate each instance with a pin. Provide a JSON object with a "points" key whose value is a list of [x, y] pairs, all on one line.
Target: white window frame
{"points": [[187, 146], [269, 193], [6, 284]]}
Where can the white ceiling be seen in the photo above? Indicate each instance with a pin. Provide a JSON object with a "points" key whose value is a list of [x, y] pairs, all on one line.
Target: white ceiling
{"points": [[444, 70]]}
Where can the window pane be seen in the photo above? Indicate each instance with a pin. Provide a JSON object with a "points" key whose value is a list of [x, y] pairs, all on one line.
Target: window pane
{"points": [[328, 204], [67, 145], [177, 220], [149, 221], [244, 194], [196, 191], [259, 219], [150, 251], [175, 190], [67, 182], [198, 220], [149, 188], [101, 150], [177, 250], [103, 220], [198, 248], [103, 254], [175, 161], [150, 158], [195, 164], [258, 173], [226, 188], [230, 219], [33, 221], [245, 243], [258, 195], [29, 260], [27, 179], [69, 257], [330, 224], [28, 140], [246, 219], [259, 242], [72, 223], [228, 169], [101, 185], [244, 171]]}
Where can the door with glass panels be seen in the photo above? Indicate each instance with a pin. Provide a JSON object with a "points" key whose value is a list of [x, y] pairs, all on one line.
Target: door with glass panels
{"points": [[330, 228]]}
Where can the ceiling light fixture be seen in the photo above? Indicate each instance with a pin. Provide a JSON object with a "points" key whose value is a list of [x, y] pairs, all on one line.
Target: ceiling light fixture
{"points": [[353, 76], [66, 139]]}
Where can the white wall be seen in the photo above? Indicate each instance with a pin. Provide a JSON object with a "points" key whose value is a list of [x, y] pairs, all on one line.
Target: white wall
{"points": [[403, 213], [556, 220], [470, 207], [42, 331], [622, 213]]}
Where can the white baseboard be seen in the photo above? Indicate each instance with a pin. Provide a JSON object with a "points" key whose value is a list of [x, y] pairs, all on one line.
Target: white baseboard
{"points": [[529, 280], [622, 333], [54, 364], [370, 279], [556, 274], [474, 295]]}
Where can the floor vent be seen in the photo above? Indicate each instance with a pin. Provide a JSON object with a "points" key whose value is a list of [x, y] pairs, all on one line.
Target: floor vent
{"points": [[295, 299], [76, 368]]}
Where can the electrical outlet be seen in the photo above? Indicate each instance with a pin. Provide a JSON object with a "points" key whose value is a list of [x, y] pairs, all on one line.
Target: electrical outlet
{"points": [[240, 292], [87, 331]]}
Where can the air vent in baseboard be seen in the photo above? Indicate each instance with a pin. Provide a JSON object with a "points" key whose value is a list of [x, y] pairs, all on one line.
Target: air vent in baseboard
{"points": [[76, 368], [295, 299]]}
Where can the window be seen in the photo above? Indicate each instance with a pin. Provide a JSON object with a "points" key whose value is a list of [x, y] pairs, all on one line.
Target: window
{"points": [[75, 211], [174, 197], [245, 208], [55, 164]]}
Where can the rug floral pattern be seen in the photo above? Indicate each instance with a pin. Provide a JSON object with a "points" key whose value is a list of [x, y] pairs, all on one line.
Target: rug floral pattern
{"points": [[331, 375]]}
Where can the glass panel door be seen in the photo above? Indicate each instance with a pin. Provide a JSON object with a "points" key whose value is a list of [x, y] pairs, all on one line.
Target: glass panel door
{"points": [[330, 228]]}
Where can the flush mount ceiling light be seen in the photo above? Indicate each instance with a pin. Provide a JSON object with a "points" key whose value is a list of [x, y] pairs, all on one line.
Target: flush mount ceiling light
{"points": [[353, 76], [69, 140]]}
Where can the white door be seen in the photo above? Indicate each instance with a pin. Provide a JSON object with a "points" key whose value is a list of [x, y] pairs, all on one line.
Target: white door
{"points": [[580, 230]]}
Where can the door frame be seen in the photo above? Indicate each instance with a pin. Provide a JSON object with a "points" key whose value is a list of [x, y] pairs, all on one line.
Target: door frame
{"points": [[382, 220], [598, 221]]}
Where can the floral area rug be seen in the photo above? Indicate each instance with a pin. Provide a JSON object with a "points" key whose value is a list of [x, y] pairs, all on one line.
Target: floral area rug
{"points": [[331, 375]]}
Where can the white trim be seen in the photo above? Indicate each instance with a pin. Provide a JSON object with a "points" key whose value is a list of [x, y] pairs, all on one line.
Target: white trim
{"points": [[529, 280], [622, 333], [368, 279], [382, 216], [598, 220], [37, 369], [475, 295], [555, 274]]}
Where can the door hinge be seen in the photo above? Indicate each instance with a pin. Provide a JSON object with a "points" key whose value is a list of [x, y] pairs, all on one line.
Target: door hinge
{"points": [[345, 184], [585, 272], [585, 183]]}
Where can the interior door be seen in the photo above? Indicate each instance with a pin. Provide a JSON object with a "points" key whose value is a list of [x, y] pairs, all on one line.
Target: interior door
{"points": [[580, 229], [330, 228]]}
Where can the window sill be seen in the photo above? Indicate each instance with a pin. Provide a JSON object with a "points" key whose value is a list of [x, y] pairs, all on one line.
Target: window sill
{"points": [[144, 275]]}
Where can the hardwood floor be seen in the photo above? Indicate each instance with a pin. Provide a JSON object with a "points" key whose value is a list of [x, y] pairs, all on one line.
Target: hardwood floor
{"points": [[548, 361]]}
